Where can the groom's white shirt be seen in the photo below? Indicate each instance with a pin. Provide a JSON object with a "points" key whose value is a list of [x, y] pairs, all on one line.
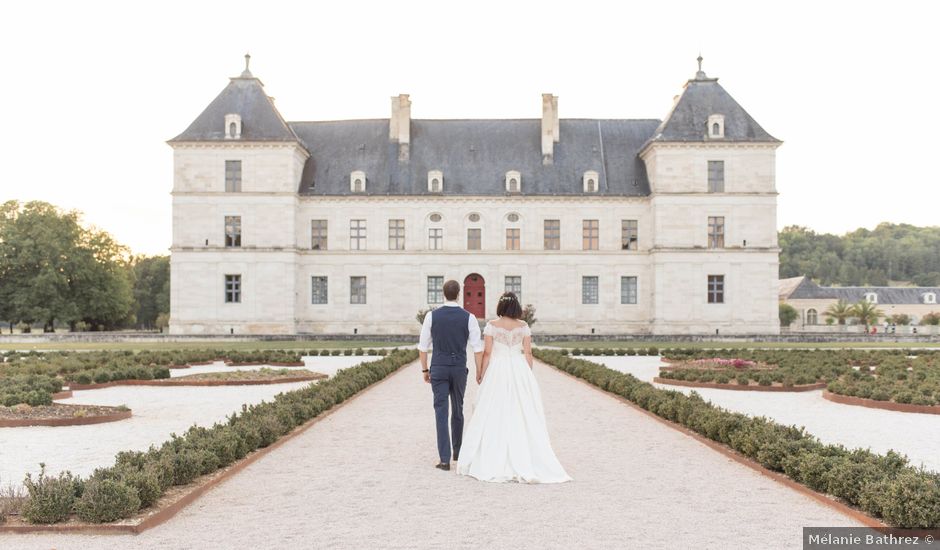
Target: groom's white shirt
{"points": [[424, 343]]}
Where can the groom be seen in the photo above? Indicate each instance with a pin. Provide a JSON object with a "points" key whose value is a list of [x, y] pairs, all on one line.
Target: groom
{"points": [[447, 330]]}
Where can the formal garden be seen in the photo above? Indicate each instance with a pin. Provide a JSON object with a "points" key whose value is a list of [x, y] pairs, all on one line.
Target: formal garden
{"points": [[140, 480]]}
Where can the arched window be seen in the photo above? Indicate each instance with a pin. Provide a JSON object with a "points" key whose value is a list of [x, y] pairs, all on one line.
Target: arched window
{"points": [[812, 318], [871, 297], [930, 298], [513, 181], [357, 181], [716, 129], [231, 128]]}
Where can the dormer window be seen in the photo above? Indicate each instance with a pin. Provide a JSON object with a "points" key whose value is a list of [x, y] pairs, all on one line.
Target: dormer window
{"points": [[871, 297], [930, 298], [233, 126], [589, 181], [357, 182], [513, 181], [716, 126], [435, 181]]}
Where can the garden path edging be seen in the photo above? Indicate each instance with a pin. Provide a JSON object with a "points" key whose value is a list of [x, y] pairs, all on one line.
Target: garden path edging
{"points": [[183, 382], [738, 387], [72, 421], [175, 503], [875, 404]]}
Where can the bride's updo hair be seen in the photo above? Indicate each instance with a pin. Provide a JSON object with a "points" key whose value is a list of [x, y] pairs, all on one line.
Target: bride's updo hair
{"points": [[508, 306]]}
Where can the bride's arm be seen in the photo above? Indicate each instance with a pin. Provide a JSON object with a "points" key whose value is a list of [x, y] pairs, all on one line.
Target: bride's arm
{"points": [[527, 349], [487, 349]]}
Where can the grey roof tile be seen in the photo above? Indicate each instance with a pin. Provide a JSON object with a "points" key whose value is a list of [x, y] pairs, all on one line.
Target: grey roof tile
{"points": [[809, 290]]}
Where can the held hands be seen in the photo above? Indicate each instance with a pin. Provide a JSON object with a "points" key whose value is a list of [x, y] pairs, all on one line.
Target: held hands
{"points": [[427, 377]]}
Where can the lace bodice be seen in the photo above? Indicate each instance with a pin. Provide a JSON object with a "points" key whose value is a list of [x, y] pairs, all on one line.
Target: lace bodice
{"points": [[509, 337]]}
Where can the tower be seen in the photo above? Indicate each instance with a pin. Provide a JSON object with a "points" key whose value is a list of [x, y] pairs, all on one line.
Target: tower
{"points": [[236, 170], [714, 256]]}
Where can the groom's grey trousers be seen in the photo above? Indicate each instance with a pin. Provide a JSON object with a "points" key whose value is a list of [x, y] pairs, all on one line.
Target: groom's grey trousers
{"points": [[448, 381]]}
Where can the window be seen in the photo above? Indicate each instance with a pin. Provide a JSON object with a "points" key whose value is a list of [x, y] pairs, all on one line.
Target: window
{"points": [[357, 290], [474, 217], [436, 218], [513, 181], [435, 181], [930, 298], [436, 238], [473, 238], [514, 284], [716, 232], [512, 217], [588, 290], [552, 234], [590, 235], [232, 127], [590, 180], [716, 176], [628, 290], [629, 234], [716, 126], [871, 297], [357, 234], [233, 231], [233, 176], [318, 290], [812, 317], [512, 238], [233, 122], [233, 289], [436, 290], [396, 234], [716, 129], [716, 289], [318, 234], [357, 181]]}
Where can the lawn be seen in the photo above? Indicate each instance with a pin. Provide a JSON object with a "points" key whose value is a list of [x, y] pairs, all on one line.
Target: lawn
{"points": [[201, 344], [593, 344]]}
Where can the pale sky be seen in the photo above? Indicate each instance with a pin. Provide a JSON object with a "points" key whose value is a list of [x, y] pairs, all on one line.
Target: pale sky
{"points": [[92, 90]]}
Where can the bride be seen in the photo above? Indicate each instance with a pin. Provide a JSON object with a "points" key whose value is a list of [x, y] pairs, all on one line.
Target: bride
{"points": [[507, 439]]}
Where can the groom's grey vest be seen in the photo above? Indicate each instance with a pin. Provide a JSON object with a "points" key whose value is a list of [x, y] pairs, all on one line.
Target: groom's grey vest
{"points": [[449, 334]]}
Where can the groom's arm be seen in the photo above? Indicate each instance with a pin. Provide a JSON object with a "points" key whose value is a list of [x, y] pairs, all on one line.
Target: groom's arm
{"points": [[424, 344], [477, 344]]}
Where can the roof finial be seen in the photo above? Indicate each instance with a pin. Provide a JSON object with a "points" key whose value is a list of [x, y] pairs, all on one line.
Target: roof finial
{"points": [[700, 74], [246, 73]]}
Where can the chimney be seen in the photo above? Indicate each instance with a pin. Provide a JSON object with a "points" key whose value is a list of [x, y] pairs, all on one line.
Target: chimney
{"points": [[549, 127], [399, 125]]}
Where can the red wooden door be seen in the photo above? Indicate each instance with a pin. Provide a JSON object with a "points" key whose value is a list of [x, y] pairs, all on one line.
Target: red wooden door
{"points": [[474, 295]]}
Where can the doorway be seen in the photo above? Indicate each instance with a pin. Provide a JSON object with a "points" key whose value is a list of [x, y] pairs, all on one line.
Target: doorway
{"points": [[474, 295]]}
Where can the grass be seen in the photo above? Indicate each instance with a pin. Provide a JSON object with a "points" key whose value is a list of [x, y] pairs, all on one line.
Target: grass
{"points": [[200, 344], [732, 345]]}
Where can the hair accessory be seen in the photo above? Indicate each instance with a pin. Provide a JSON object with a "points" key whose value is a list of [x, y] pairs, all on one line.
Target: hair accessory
{"points": [[508, 298]]}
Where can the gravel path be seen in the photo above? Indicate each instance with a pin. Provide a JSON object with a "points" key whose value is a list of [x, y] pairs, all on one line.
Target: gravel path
{"points": [[879, 430], [364, 478]]}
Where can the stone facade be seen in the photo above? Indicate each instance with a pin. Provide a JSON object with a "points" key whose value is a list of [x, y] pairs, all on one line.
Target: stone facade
{"points": [[285, 183]]}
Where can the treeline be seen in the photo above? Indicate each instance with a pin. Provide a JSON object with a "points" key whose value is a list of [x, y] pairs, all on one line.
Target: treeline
{"points": [[889, 253], [55, 272]]}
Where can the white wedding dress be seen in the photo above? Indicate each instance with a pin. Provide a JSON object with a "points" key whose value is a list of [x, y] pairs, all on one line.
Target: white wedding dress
{"points": [[507, 438]]}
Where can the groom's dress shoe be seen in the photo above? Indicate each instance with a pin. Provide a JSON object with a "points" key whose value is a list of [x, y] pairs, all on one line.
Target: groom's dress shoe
{"points": [[443, 466]]}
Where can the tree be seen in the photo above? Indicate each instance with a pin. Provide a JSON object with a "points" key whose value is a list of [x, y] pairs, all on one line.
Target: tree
{"points": [[866, 312], [900, 319], [528, 315], [840, 311], [788, 314], [151, 288]]}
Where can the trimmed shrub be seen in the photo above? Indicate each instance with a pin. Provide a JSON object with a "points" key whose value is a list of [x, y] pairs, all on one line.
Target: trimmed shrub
{"points": [[50, 499], [107, 500]]}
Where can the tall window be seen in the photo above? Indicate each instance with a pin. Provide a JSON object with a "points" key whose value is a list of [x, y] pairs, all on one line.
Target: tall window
{"points": [[436, 238], [233, 289], [812, 317], [436, 290], [233, 176], [357, 290], [716, 232], [628, 290], [514, 284], [590, 234], [629, 234], [716, 289], [318, 234], [589, 290], [716, 176], [552, 234], [473, 239], [318, 290], [512, 238], [396, 234], [233, 231], [357, 234]]}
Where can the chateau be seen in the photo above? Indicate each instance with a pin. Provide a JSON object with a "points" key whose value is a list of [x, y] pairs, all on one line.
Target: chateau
{"points": [[350, 227]]}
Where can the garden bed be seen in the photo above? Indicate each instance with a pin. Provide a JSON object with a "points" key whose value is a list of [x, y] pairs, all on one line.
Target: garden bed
{"points": [[60, 414], [232, 378], [733, 385], [875, 404]]}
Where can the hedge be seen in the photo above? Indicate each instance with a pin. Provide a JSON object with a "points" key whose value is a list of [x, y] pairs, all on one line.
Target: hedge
{"points": [[139, 478], [884, 486]]}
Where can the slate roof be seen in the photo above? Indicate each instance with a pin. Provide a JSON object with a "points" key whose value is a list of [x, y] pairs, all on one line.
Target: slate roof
{"points": [[474, 156], [702, 97], [245, 96], [808, 290]]}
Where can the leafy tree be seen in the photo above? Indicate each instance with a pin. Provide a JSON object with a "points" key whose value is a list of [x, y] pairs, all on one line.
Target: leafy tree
{"points": [[900, 319], [866, 312], [528, 315], [932, 318], [151, 276], [840, 311], [788, 314]]}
